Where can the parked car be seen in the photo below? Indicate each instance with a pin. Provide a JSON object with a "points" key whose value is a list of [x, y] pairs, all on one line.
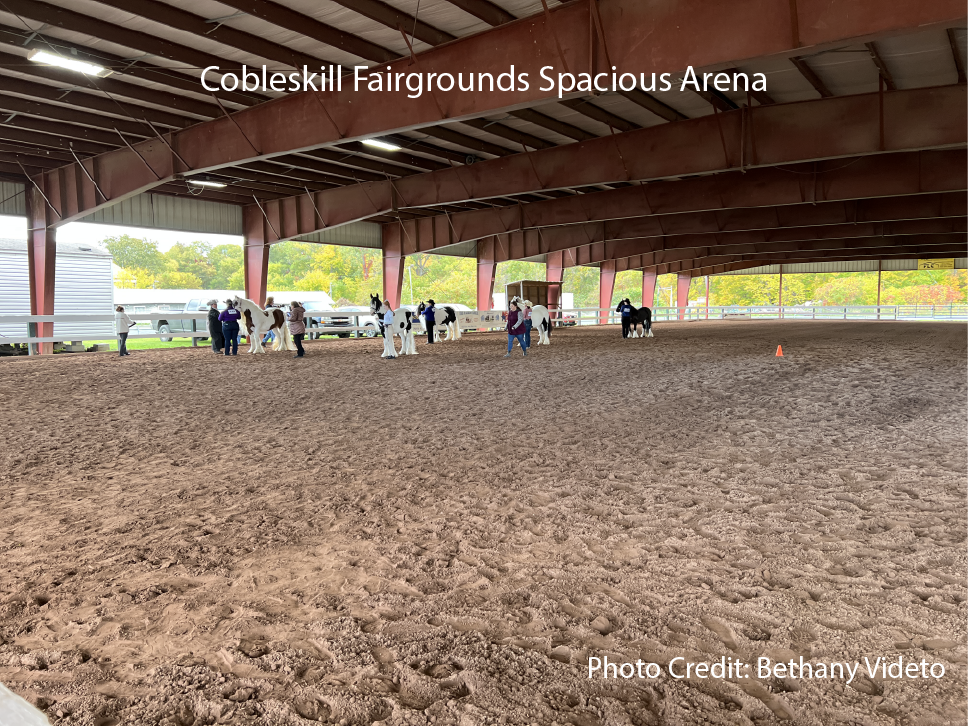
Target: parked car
{"points": [[568, 320], [180, 326], [368, 321]]}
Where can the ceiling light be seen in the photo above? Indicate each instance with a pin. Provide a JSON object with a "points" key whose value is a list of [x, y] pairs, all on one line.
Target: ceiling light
{"points": [[204, 183], [90, 69], [381, 145]]}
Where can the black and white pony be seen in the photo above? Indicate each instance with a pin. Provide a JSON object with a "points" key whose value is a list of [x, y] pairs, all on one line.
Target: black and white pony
{"points": [[444, 322], [540, 319], [401, 326], [375, 304], [643, 317]]}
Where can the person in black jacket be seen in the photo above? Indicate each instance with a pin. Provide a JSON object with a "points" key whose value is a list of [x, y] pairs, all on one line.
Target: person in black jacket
{"points": [[625, 308], [215, 327]]}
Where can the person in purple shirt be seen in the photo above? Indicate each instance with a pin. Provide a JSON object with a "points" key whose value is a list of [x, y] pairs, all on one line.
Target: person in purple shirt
{"points": [[230, 327], [516, 329]]}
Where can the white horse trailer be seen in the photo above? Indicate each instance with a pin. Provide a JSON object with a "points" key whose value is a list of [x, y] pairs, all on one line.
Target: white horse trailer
{"points": [[83, 285]]}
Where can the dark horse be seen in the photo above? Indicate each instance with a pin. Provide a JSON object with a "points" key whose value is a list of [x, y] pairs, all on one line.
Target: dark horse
{"points": [[643, 317]]}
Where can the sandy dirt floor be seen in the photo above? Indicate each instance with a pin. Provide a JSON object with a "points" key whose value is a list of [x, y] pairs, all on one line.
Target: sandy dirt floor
{"points": [[449, 538]]}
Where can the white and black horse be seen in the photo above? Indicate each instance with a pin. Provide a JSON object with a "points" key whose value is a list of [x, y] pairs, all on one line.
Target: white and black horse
{"points": [[375, 304], [643, 317], [540, 319], [402, 326], [444, 322]]}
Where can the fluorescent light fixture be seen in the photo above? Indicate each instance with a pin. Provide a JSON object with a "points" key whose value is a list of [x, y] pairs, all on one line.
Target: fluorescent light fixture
{"points": [[381, 145], [205, 183], [50, 59]]}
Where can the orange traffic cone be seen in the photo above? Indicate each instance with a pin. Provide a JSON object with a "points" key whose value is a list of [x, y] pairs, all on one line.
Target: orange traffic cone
{"points": [[779, 351]]}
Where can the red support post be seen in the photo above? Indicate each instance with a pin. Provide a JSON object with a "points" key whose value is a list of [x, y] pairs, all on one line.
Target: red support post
{"points": [[41, 261], [554, 270], [648, 288], [606, 287], [683, 280], [394, 262], [486, 267], [255, 255]]}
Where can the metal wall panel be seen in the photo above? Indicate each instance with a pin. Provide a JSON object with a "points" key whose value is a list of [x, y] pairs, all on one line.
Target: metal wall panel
{"points": [[13, 199], [161, 211], [356, 234], [461, 249]]}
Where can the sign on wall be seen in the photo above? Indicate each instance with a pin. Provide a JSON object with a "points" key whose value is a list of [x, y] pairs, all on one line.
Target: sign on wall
{"points": [[936, 264]]}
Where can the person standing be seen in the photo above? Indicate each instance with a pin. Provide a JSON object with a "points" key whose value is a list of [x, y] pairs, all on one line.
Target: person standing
{"points": [[271, 335], [389, 351], [625, 309], [123, 324], [430, 321], [297, 326], [230, 327], [516, 329], [214, 327], [527, 324]]}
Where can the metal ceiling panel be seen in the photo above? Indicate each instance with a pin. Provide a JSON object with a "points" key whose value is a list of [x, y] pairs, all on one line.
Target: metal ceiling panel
{"points": [[357, 234], [161, 211], [920, 59]]}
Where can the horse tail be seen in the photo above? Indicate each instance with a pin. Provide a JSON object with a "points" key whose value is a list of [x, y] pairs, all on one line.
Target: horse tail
{"points": [[456, 325]]}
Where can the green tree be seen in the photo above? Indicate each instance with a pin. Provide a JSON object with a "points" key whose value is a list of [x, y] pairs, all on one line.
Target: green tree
{"points": [[131, 252], [226, 263], [174, 280], [191, 259]]}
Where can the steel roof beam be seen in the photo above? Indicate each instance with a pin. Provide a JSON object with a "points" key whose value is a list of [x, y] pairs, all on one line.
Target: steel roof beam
{"points": [[956, 54], [829, 128], [674, 203], [483, 10], [468, 142], [44, 92], [812, 78], [521, 138], [638, 36], [122, 66], [70, 79], [398, 20], [552, 124], [179, 19], [911, 247], [53, 112], [287, 18], [586, 108], [882, 68], [9, 132]]}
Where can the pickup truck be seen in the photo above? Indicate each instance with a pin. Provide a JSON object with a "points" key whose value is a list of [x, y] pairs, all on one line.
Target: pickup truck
{"points": [[181, 326]]}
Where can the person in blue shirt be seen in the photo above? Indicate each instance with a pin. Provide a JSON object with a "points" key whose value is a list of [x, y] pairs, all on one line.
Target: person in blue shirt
{"points": [[230, 327], [625, 308], [430, 320]]}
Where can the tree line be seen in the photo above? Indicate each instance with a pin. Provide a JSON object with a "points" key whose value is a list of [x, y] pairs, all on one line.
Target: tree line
{"points": [[350, 274]]}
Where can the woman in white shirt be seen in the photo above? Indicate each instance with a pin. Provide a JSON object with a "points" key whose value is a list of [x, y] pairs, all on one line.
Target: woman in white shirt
{"points": [[389, 351], [123, 324]]}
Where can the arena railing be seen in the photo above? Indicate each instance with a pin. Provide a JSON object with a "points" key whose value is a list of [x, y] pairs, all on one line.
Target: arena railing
{"points": [[493, 319]]}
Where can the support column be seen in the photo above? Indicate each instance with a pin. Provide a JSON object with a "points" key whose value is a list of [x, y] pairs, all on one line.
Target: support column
{"points": [[879, 265], [606, 287], [255, 255], [486, 267], [41, 261], [554, 271], [394, 262], [649, 278], [683, 280], [780, 308]]}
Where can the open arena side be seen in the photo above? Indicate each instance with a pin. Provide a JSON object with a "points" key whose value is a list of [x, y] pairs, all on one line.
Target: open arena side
{"points": [[449, 538]]}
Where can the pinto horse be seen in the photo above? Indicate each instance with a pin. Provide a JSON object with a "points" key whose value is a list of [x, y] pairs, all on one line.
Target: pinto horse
{"points": [[448, 323], [257, 322]]}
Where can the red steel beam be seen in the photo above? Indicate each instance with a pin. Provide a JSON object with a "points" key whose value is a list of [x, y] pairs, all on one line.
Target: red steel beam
{"points": [[888, 175], [484, 10], [41, 258], [640, 35], [834, 127], [255, 256], [906, 253], [486, 267], [536, 242], [860, 248], [606, 288]]}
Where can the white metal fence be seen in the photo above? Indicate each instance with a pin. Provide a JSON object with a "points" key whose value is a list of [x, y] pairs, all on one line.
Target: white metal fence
{"points": [[492, 320]]}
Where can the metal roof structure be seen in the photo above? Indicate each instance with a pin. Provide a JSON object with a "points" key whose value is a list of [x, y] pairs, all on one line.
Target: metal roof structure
{"points": [[856, 149]]}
